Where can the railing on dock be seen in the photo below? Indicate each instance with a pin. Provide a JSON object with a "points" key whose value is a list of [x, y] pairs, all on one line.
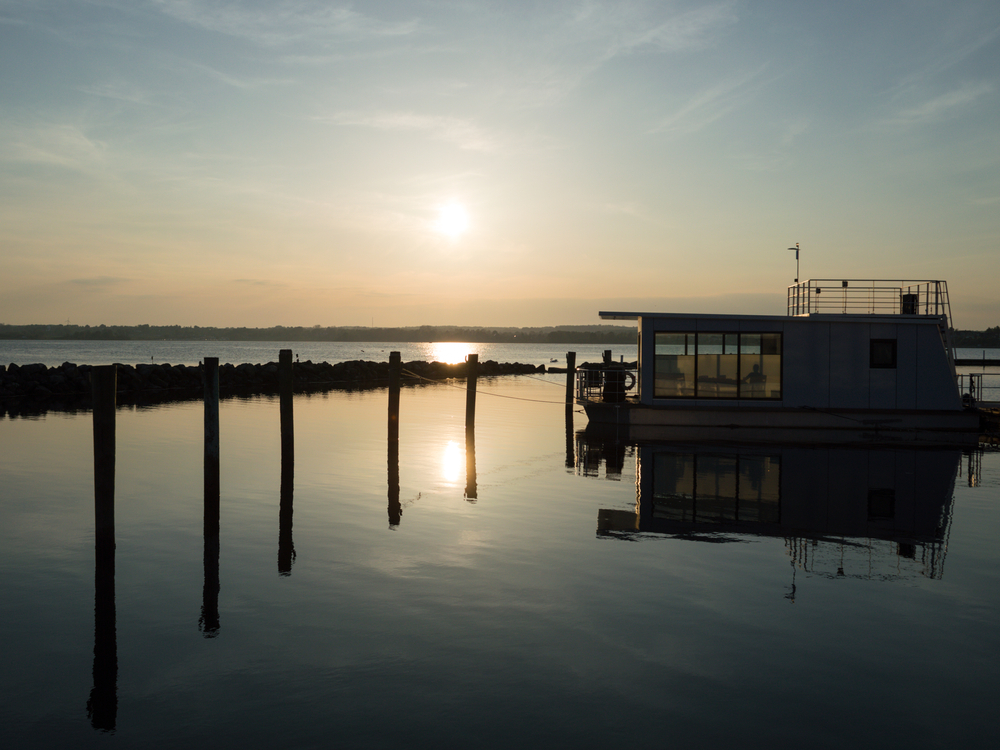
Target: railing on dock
{"points": [[609, 384], [983, 388]]}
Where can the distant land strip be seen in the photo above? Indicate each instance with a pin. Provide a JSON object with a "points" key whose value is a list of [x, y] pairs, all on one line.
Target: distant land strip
{"points": [[591, 334]]}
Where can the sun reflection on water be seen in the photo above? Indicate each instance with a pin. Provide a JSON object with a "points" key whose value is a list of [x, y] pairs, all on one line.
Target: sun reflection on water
{"points": [[451, 352], [452, 462]]}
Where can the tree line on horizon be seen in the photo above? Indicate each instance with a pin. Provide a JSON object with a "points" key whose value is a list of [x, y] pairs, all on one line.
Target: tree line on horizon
{"points": [[589, 334]]}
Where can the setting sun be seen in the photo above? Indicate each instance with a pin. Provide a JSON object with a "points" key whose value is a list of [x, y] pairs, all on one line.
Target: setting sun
{"points": [[452, 220]]}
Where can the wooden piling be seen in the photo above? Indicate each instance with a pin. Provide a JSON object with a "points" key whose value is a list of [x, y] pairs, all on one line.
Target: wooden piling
{"points": [[102, 706], [210, 376], [395, 508], [285, 388], [570, 376], [471, 379], [395, 376], [103, 382]]}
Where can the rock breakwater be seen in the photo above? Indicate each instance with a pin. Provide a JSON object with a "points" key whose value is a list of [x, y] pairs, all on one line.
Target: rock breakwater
{"points": [[36, 382]]}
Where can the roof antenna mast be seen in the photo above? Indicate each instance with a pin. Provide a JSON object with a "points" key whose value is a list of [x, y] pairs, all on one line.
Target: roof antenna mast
{"points": [[796, 249]]}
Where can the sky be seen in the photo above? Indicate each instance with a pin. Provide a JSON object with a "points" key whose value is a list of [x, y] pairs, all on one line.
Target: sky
{"points": [[298, 162]]}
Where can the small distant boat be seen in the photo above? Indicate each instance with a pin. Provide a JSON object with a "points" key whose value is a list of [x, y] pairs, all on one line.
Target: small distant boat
{"points": [[553, 360]]}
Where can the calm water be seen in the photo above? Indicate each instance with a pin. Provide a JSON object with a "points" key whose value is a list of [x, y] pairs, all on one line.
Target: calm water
{"points": [[566, 592]]}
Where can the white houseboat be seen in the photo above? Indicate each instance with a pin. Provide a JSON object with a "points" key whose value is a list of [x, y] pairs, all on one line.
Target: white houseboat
{"points": [[852, 360]]}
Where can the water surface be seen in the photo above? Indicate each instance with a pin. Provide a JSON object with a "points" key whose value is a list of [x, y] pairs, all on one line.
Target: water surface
{"points": [[559, 590]]}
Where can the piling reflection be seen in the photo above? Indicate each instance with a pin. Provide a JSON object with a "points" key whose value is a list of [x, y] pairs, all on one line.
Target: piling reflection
{"points": [[286, 547], [471, 489], [872, 513], [570, 439]]}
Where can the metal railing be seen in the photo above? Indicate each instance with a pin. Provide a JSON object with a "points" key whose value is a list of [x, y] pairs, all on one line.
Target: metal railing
{"points": [[869, 296], [983, 388], [604, 384]]}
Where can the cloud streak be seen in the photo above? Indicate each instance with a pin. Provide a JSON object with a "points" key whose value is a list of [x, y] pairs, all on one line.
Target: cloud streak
{"points": [[944, 105], [462, 133], [274, 24]]}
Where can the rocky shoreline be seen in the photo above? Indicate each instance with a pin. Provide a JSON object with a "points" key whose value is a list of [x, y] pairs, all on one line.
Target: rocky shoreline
{"points": [[36, 388]]}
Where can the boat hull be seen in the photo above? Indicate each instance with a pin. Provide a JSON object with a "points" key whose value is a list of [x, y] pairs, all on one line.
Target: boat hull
{"points": [[764, 424]]}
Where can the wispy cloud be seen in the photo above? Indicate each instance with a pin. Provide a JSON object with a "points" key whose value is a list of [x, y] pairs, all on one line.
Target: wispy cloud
{"points": [[709, 105], [99, 281], [693, 29], [117, 90], [259, 282], [277, 23], [942, 106], [62, 145], [462, 133]]}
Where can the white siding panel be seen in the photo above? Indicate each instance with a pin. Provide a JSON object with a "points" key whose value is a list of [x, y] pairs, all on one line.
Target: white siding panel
{"points": [[849, 357], [806, 364], [906, 367], [882, 384], [936, 387]]}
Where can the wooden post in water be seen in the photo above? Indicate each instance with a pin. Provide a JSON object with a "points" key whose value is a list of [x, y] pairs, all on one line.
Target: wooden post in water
{"points": [[103, 382], [570, 376], [471, 378], [210, 374], [395, 509], [208, 623], [395, 376], [285, 383], [102, 707]]}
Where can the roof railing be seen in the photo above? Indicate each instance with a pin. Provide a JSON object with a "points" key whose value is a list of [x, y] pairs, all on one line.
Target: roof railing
{"points": [[869, 296]]}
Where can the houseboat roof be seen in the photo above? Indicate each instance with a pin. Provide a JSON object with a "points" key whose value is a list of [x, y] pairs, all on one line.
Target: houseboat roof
{"points": [[842, 299]]}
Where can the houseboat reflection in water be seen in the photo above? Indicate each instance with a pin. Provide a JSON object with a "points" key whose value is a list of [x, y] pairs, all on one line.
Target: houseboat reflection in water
{"points": [[873, 513]]}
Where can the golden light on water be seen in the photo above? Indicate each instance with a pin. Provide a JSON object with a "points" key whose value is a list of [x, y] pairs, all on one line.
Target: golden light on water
{"points": [[450, 352], [452, 462]]}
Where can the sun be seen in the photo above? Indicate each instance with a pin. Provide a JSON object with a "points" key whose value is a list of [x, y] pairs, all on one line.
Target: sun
{"points": [[452, 220]]}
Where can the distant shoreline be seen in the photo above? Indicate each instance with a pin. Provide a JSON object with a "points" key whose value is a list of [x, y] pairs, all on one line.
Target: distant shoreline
{"points": [[594, 334]]}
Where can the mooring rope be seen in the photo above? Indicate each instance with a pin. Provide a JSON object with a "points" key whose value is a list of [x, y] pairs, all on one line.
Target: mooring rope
{"points": [[486, 393]]}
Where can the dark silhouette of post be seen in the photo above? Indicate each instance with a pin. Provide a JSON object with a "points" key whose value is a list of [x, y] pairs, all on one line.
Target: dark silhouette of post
{"points": [[102, 706], [210, 375], [285, 395], [471, 378], [286, 550], [286, 547], [208, 623], [395, 375], [570, 376]]}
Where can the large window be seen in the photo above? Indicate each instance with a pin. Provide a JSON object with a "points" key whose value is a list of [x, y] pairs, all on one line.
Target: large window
{"points": [[717, 365]]}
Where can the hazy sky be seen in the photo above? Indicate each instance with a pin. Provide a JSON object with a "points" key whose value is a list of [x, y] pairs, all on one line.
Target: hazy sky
{"points": [[218, 162]]}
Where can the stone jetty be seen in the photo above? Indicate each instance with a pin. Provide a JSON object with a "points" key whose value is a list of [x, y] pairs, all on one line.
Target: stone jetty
{"points": [[40, 384]]}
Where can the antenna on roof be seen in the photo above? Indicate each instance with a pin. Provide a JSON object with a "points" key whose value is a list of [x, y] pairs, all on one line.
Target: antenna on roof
{"points": [[796, 249]]}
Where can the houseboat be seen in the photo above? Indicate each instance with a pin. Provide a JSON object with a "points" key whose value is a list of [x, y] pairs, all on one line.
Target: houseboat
{"points": [[852, 360]]}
